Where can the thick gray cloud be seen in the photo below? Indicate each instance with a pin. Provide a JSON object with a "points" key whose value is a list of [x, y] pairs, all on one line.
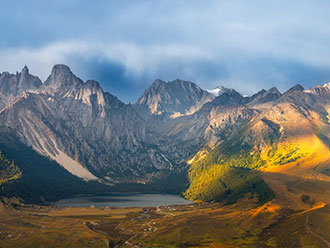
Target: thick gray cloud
{"points": [[127, 44]]}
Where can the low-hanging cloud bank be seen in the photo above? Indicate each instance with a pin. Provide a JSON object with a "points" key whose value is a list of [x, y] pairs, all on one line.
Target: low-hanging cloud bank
{"points": [[126, 45]]}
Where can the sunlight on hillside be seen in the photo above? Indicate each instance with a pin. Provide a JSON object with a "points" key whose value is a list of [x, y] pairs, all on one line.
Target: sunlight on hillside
{"points": [[298, 157], [227, 171], [8, 170]]}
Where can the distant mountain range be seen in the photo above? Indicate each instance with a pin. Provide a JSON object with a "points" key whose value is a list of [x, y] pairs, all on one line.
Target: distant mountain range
{"points": [[209, 145]]}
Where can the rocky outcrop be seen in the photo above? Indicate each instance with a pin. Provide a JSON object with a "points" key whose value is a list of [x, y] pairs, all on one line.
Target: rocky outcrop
{"points": [[265, 96], [173, 99], [12, 85], [219, 90], [89, 132], [95, 136]]}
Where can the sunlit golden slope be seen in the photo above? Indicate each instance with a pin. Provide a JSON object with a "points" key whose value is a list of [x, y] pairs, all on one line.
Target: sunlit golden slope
{"points": [[300, 148], [8, 170], [310, 151], [285, 138]]}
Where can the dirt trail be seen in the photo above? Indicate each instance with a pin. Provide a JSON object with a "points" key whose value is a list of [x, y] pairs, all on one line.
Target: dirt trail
{"points": [[284, 197], [290, 184], [308, 229], [92, 227], [321, 205]]}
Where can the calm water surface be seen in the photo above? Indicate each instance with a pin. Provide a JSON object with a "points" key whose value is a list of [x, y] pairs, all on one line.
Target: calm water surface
{"points": [[123, 201]]}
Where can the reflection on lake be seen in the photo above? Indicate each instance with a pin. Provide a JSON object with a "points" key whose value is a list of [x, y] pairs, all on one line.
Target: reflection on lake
{"points": [[123, 201]]}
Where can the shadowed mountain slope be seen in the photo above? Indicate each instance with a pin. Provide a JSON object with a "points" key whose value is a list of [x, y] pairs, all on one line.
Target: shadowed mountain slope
{"points": [[90, 133]]}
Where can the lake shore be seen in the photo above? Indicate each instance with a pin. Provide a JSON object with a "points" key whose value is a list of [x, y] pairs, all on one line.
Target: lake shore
{"points": [[122, 200]]}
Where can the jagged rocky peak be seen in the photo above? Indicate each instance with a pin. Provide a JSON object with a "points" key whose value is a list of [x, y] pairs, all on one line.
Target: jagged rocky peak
{"points": [[90, 92], [320, 90], [265, 96], [326, 85], [190, 90], [27, 81], [62, 76], [157, 83], [14, 84], [219, 90], [25, 70], [229, 98], [297, 87], [175, 97], [93, 85], [148, 96], [274, 90]]}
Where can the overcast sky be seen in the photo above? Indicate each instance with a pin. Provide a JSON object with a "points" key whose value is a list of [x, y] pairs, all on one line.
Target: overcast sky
{"points": [[126, 45]]}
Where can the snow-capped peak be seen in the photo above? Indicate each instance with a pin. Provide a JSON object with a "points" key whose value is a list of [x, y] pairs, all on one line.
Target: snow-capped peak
{"points": [[219, 90], [326, 85]]}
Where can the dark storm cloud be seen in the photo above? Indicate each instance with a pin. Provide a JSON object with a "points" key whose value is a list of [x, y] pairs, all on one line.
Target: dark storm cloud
{"points": [[113, 77], [127, 86], [127, 44]]}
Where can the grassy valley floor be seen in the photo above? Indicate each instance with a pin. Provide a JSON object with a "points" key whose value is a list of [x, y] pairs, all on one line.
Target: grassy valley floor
{"points": [[299, 216], [197, 225]]}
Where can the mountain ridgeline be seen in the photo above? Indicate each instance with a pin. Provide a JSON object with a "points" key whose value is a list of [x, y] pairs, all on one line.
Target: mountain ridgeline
{"points": [[173, 99], [211, 145]]}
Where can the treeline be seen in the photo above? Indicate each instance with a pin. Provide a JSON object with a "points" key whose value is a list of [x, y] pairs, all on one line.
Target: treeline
{"points": [[8, 170], [227, 174], [41, 179]]}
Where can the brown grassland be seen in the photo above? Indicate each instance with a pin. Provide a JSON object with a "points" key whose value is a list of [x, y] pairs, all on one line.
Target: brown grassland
{"points": [[291, 220], [299, 216]]}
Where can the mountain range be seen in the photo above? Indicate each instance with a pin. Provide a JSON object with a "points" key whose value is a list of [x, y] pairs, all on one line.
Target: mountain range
{"points": [[65, 136]]}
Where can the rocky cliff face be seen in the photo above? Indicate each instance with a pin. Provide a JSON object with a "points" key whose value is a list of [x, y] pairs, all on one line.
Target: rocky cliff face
{"points": [[89, 132], [265, 96], [173, 99], [219, 90], [96, 137], [13, 85]]}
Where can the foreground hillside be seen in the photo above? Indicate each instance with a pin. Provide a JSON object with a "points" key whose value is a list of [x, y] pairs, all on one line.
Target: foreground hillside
{"points": [[303, 221], [298, 216]]}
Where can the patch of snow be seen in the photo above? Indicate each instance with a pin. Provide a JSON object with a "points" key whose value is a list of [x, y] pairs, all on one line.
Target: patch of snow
{"points": [[308, 91], [327, 85], [219, 90], [214, 91]]}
